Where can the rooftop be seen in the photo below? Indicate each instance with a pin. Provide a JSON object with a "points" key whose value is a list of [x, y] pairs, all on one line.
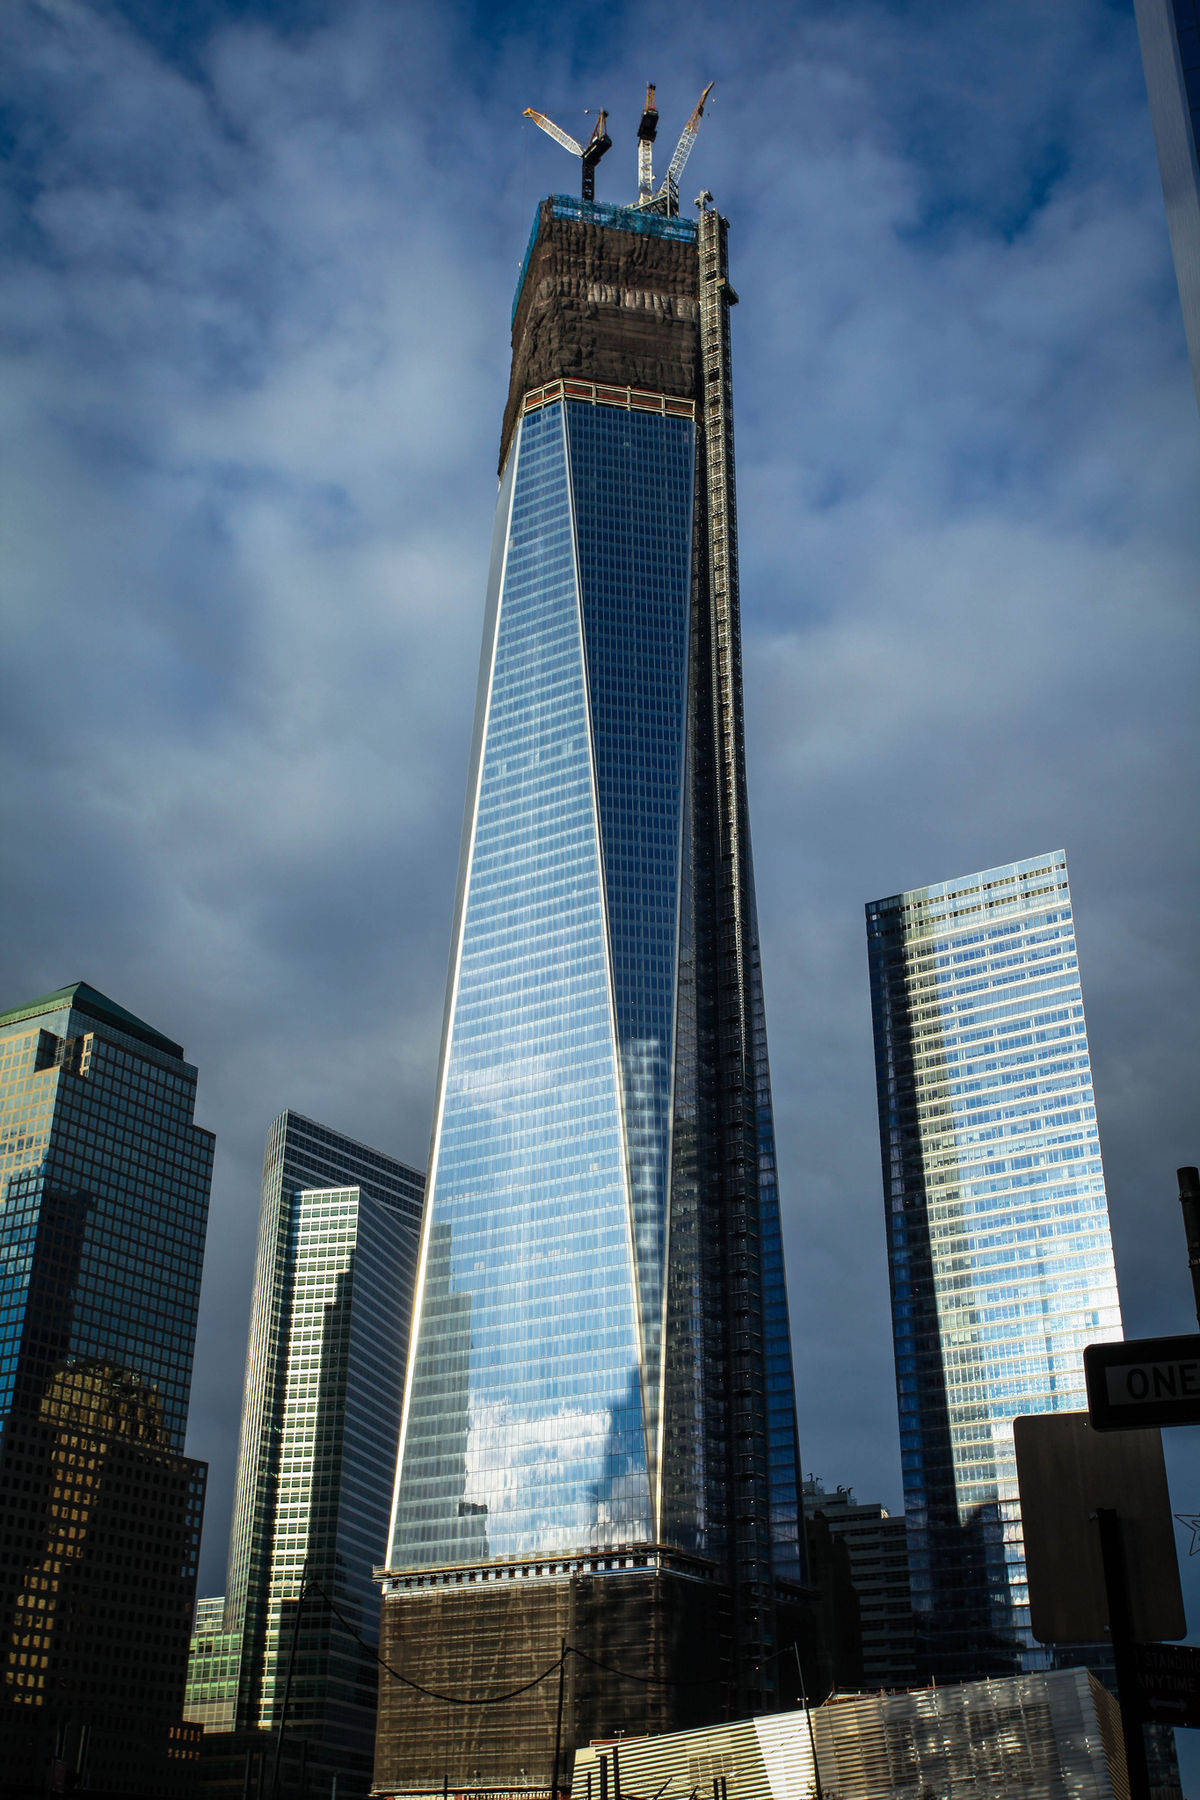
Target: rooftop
{"points": [[84, 999]]}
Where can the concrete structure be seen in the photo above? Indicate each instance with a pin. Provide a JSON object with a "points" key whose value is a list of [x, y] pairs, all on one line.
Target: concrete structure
{"points": [[104, 1207], [1169, 32], [599, 1439], [1042, 1737]]}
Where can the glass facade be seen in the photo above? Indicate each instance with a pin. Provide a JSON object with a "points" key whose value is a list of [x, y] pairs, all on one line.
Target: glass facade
{"points": [[336, 1258], [998, 1235], [210, 1698], [599, 1437], [105, 1183], [552, 1151]]}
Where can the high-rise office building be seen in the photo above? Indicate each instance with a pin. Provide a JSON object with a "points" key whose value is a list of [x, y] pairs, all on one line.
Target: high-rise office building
{"points": [[998, 1236], [333, 1280], [1169, 31], [599, 1437], [105, 1202], [876, 1543], [210, 1698]]}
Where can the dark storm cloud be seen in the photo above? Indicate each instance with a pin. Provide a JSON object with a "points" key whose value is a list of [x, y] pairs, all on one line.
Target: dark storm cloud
{"points": [[256, 312]]}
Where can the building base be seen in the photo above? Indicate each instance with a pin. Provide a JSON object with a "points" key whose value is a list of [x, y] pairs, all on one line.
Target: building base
{"points": [[647, 1638]]}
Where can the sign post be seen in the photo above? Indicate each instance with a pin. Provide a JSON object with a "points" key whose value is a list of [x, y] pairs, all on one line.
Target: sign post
{"points": [[1099, 1550]]}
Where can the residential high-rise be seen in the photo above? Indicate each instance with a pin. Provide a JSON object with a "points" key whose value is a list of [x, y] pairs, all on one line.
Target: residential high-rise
{"points": [[877, 1545], [333, 1280], [599, 1438], [1169, 31], [105, 1202], [998, 1236]]}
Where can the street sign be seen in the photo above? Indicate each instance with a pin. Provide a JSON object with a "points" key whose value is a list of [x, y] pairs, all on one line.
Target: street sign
{"points": [[1143, 1381], [1168, 1678], [1067, 1473]]}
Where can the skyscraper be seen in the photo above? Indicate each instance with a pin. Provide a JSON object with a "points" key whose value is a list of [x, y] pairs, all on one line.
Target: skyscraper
{"points": [[877, 1545], [998, 1237], [599, 1437], [333, 1278], [105, 1201], [1169, 31]]}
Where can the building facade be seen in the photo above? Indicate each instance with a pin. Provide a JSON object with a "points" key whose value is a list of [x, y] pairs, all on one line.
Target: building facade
{"points": [[877, 1545], [105, 1201], [1169, 33], [333, 1279], [1053, 1736], [599, 1437], [999, 1246], [210, 1698]]}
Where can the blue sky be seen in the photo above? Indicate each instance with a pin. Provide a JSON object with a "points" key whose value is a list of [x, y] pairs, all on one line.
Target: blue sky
{"points": [[254, 307]]}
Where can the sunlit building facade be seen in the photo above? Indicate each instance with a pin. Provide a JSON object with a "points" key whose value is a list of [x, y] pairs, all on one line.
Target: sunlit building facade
{"points": [[333, 1281], [998, 1235], [105, 1186], [1046, 1736], [599, 1437], [210, 1698]]}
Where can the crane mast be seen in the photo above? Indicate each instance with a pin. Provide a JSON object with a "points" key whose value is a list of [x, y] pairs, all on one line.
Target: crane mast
{"points": [[647, 132], [664, 199], [589, 154]]}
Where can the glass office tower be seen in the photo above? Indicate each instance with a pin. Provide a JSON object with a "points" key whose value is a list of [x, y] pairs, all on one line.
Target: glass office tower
{"points": [[103, 1212], [998, 1236], [1169, 32], [599, 1438], [333, 1279]]}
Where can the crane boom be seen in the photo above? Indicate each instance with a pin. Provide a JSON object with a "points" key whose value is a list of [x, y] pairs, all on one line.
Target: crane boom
{"points": [[589, 154], [687, 137], [555, 131]]}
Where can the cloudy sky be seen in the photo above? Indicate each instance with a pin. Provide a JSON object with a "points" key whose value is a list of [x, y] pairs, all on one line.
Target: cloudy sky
{"points": [[254, 301]]}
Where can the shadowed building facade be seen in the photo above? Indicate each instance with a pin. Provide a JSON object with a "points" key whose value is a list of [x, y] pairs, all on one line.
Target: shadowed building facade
{"points": [[1169, 32], [599, 1436], [998, 1236], [105, 1185], [333, 1281]]}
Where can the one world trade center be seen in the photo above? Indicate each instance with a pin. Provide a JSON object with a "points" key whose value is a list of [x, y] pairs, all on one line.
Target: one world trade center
{"points": [[597, 1478]]}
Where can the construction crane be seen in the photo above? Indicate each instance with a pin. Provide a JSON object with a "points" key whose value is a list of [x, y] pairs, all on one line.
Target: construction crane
{"points": [[647, 132], [667, 198], [589, 154]]}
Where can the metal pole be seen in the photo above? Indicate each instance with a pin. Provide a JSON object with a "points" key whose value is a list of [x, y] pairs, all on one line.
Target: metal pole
{"points": [[616, 1772], [287, 1680], [562, 1671], [1189, 1200], [812, 1736], [1120, 1631]]}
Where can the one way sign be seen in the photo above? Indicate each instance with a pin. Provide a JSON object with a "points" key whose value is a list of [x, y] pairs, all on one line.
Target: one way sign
{"points": [[1143, 1381]]}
